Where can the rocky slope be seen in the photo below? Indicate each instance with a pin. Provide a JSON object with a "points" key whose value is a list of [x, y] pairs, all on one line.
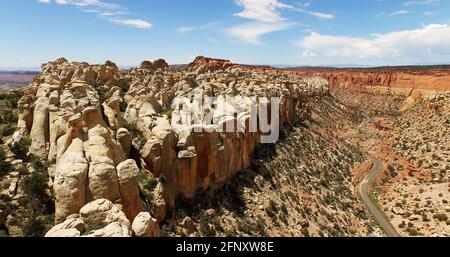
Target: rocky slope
{"points": [[302, 186]]}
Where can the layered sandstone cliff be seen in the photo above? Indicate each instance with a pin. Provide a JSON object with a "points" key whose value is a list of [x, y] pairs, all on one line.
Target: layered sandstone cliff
{"points": [[428, 79]]}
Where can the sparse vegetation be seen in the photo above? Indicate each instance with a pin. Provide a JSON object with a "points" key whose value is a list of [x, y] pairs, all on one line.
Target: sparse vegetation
{"points": [[93, 226], [4, 166], [20, 149]]}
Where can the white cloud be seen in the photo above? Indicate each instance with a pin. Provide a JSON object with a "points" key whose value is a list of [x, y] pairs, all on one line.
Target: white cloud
{"points": [[85, 3], [262, 10], [421, 2], [201, 27], [252, 32], [109, 11], [430, 14], [308, 53], [400, 12], [267, 17], [428, 43], [142, 24], [321, 15]]}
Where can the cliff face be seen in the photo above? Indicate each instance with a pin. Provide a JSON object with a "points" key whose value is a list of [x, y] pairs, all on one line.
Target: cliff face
{"points": [[435, 80], [109, 133]]}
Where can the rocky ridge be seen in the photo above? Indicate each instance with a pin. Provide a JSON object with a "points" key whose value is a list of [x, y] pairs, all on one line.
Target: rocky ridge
{"points": [[106, 134]]}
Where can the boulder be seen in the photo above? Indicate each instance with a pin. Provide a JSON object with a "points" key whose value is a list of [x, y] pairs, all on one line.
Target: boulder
{"points": [[104, 211], [70, 232], [114, 229], [69, 228], [145, 226]]}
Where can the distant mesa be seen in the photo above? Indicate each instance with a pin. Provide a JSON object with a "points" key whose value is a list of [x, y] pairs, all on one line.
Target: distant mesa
{"points": [[210, 64]]}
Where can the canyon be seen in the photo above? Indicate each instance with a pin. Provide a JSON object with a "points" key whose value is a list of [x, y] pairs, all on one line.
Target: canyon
{"points": [[101, 143]]}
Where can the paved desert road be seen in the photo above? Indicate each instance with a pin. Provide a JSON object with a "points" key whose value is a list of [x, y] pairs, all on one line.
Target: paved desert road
{"points": [[377, 214]]}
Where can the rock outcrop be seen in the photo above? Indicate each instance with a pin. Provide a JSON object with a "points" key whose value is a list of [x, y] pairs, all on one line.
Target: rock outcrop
{"points": [[100, 218], [145, 226], [70, 181], [203, 64], [127, 172], [76, 118]]}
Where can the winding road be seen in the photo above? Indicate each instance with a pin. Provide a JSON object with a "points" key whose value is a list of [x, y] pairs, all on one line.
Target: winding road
{"points": [[377, 169]]}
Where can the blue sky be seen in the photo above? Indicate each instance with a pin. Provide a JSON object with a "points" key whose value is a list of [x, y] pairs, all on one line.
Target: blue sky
{"points": [[292, 32]]}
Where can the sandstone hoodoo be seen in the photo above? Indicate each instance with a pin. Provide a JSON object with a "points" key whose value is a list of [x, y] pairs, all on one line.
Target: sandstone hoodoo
{"points": [[108, 135]]}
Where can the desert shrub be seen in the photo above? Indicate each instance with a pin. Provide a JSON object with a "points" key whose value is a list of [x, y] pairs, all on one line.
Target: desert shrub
{"points": [[36, 196], [206, 229], [305, 232], [36, 163], [20, 149], [12, 98], [93, 226], [272, 209], [9, 116], [34, 227], [23, 171], [102, 91], [162, 178], [139, 139], [252, 227], [7, 130], [284, 219], [3, 233], [169, 113], [6, 198], [412, 232], [440, 217], [35, 185], [4, 166], [151, 184], [284, 208], [124, 85], [123, 106], [306, 124], [142, 177]]}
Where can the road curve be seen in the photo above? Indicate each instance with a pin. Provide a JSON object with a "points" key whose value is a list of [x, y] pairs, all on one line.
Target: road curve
{"points": [[377, 214]]}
